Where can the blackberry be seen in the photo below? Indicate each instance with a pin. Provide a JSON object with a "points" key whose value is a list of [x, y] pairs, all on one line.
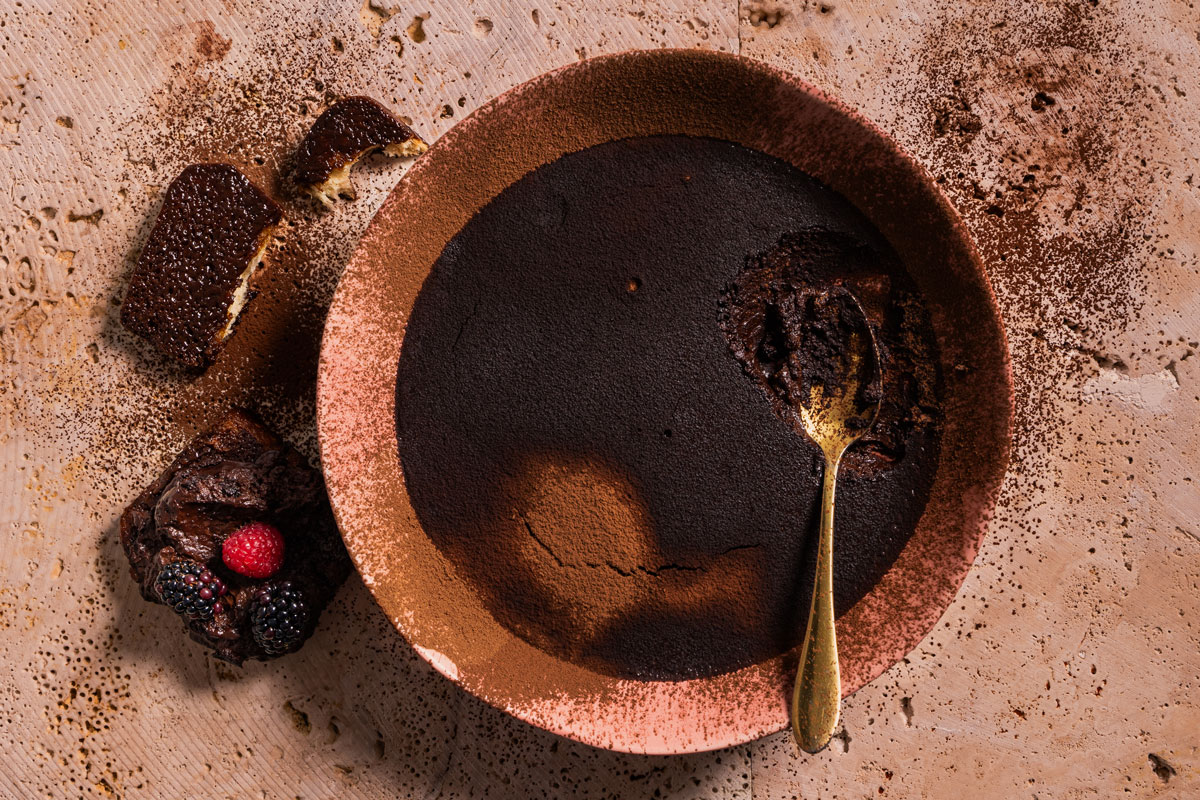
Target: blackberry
{"points": [[279, 617], [190, 589]]}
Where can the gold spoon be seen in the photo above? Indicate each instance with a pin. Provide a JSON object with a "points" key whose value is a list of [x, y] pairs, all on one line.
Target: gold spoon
{"points": [[842, 359]]}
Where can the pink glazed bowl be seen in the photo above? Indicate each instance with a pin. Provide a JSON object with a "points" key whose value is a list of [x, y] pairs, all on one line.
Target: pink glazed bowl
{"points": [[636, 94]]}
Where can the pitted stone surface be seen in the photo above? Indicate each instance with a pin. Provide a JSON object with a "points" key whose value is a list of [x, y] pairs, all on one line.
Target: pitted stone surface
{"points": [[1061, 131]]}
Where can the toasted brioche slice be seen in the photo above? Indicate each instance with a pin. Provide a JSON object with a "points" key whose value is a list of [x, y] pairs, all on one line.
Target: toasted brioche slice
{"points": [[343, 134], [196, 273]]}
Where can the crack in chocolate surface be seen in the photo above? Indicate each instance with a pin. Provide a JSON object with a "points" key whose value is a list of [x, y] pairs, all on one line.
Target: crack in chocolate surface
{"points": [[566, 397], [628, 573]]}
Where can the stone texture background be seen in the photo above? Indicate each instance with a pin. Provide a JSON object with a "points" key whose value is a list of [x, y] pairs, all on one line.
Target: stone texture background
{"points": [[1063, 132]]}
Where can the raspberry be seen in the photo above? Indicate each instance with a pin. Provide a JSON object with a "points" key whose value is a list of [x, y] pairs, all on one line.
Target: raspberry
{"points": [[190, 589], [254, 550], [278, 617]]}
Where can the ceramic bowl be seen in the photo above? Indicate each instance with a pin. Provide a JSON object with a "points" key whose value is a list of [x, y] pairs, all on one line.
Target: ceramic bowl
{"points": [[634, 94]]}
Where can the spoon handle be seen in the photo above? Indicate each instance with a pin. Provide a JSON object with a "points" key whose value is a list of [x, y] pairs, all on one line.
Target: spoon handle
{"points": [[818, 693]]}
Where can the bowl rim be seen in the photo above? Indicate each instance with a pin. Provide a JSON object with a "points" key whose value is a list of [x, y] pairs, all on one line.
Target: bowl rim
{"points": [[675, 717]]}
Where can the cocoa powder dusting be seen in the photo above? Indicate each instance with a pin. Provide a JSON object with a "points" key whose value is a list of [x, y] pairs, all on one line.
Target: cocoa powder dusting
{"points": [[240, 89]]}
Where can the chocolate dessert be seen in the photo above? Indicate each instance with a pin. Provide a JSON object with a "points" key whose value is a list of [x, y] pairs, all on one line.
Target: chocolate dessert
{"points": [[584, 442], [194, 276], [343, 134], [238, 538]]}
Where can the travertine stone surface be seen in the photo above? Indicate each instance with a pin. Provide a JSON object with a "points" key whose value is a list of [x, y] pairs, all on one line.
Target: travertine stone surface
{"points": [[1064, 133]]}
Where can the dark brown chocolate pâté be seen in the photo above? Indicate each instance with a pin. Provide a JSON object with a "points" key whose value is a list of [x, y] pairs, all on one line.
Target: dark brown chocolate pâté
{"points": [[583, 441], [238, 472], [344, 133], [195, 274]]}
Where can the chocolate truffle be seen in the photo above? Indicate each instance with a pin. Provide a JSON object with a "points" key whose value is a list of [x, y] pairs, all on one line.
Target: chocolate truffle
{"points": [[236, 473], [195, 275], [343, 134]]}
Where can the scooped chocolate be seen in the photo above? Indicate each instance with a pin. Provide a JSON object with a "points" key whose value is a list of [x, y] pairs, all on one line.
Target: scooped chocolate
{"points": [[195, 275], [236, 473], [767, 322], [580, 443], [343, 134], [801, 344]]}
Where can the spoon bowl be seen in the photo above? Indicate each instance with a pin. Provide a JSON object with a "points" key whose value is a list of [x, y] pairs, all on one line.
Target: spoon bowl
{"points": [[837, 369]]}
